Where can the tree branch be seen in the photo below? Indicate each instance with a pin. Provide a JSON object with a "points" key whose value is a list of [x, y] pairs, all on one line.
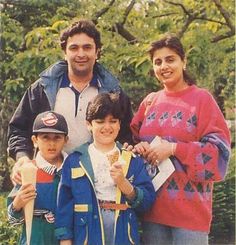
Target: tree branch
{"points": [[164, 15], [200, 15], [180, 5], [119, 26], [127, 11], [226, 16], [211, 20], [222, 37], [125, 33], [189, 20], [102, 12]]}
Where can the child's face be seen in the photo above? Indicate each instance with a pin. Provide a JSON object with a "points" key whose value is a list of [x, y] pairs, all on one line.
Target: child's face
{"points": [[105, 131], [50, 145]]}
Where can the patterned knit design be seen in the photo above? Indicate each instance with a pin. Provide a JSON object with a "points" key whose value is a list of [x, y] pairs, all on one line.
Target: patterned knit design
{"points": [[193, 120]]}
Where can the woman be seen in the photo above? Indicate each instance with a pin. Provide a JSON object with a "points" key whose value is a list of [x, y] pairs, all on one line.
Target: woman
{"points": [[196, 138]]}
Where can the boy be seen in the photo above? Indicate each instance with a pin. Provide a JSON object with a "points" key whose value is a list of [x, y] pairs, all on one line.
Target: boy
{"points": [[49, 136], [98, 196]]}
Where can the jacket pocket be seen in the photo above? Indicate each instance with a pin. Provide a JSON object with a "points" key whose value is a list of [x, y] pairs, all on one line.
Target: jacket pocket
{"points": [[80, 224], [77, 172], [133, 229]]}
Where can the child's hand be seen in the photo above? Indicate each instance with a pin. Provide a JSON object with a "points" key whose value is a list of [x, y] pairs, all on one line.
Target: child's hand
{"points": [[26, 193], [123, 184], [116, 173]]}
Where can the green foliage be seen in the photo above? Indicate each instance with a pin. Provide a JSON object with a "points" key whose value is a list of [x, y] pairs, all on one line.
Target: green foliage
{"points": [[30, 42], [223, 225], [9, 235]]}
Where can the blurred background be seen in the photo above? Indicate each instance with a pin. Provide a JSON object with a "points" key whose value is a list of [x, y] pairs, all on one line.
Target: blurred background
{"points": [[29, 43]]}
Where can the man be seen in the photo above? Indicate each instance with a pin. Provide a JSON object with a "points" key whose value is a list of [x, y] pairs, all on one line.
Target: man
{"points": [[66, 87]]}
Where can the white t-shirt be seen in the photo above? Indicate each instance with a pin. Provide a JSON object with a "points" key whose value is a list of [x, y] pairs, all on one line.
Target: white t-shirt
{"points": [[104, 185]]}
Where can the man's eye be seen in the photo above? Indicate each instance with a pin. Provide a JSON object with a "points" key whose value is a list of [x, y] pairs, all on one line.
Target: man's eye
{"points": [[72, 48], [87, 47]]}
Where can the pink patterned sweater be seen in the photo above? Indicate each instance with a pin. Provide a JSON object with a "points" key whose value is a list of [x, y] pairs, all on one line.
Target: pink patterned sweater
{"points": [[193, 120]]}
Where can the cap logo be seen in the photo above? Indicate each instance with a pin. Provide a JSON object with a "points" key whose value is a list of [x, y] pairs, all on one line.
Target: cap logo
{"points": [[49, 120]]}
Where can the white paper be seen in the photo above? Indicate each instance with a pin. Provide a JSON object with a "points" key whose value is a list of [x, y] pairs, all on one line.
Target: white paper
{"points": [[161, 172]]}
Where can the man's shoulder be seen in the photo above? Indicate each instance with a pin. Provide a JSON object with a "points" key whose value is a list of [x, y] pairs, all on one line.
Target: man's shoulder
{"points": [[55, 70], [106, 79]]}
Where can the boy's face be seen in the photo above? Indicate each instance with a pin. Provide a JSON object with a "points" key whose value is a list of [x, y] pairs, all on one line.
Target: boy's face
{"points": [[50, 145], [104, 132]]}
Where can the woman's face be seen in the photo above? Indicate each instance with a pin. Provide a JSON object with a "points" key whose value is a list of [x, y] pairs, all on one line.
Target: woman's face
{"points": [[168, 68]]}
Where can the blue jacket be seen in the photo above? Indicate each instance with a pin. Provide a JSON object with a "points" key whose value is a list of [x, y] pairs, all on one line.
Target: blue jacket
{"points": [[41, 96], [78, 214]]}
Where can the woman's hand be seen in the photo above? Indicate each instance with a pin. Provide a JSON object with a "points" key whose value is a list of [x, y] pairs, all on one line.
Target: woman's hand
{"points": [[158, 153], [26, 193], [127, 147], [142, 148]]}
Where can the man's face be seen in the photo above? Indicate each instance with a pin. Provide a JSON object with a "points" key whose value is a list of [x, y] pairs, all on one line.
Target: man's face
{"points": [[81, 54]]}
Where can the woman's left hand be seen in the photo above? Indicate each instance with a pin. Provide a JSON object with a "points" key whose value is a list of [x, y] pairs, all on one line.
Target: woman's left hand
{"points": [[156, 154]]}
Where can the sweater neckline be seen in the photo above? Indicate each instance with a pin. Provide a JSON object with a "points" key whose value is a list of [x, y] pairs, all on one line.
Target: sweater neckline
{"points": [[181, 92]]}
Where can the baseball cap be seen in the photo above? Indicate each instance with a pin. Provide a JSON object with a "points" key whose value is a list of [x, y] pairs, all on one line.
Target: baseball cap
{"points": [[50, 122]]}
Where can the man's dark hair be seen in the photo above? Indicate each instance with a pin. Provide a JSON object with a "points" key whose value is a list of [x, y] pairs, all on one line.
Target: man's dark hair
{"points": [[102, 105], [81, 26]]}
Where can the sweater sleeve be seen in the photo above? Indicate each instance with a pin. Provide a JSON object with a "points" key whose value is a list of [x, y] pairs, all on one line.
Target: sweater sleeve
{"points": [[14, 217], [207, 159], [64, 212], [145, 192]]}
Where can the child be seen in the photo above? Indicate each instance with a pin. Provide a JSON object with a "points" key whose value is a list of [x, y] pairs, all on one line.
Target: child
{"points": [[97, 200], [49, 136]]}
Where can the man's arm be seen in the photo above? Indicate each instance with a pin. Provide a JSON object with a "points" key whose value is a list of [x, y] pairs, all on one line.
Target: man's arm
{"points": [[19, 130], [32, 103], [20, 146]]}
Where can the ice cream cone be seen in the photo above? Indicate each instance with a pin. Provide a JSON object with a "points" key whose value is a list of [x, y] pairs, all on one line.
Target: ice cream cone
{"points": [[28, 175], [113, 157]]}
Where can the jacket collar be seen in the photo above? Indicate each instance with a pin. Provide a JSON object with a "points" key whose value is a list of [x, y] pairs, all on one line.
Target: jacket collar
{"points": [[47, 167], [57, 70]]}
